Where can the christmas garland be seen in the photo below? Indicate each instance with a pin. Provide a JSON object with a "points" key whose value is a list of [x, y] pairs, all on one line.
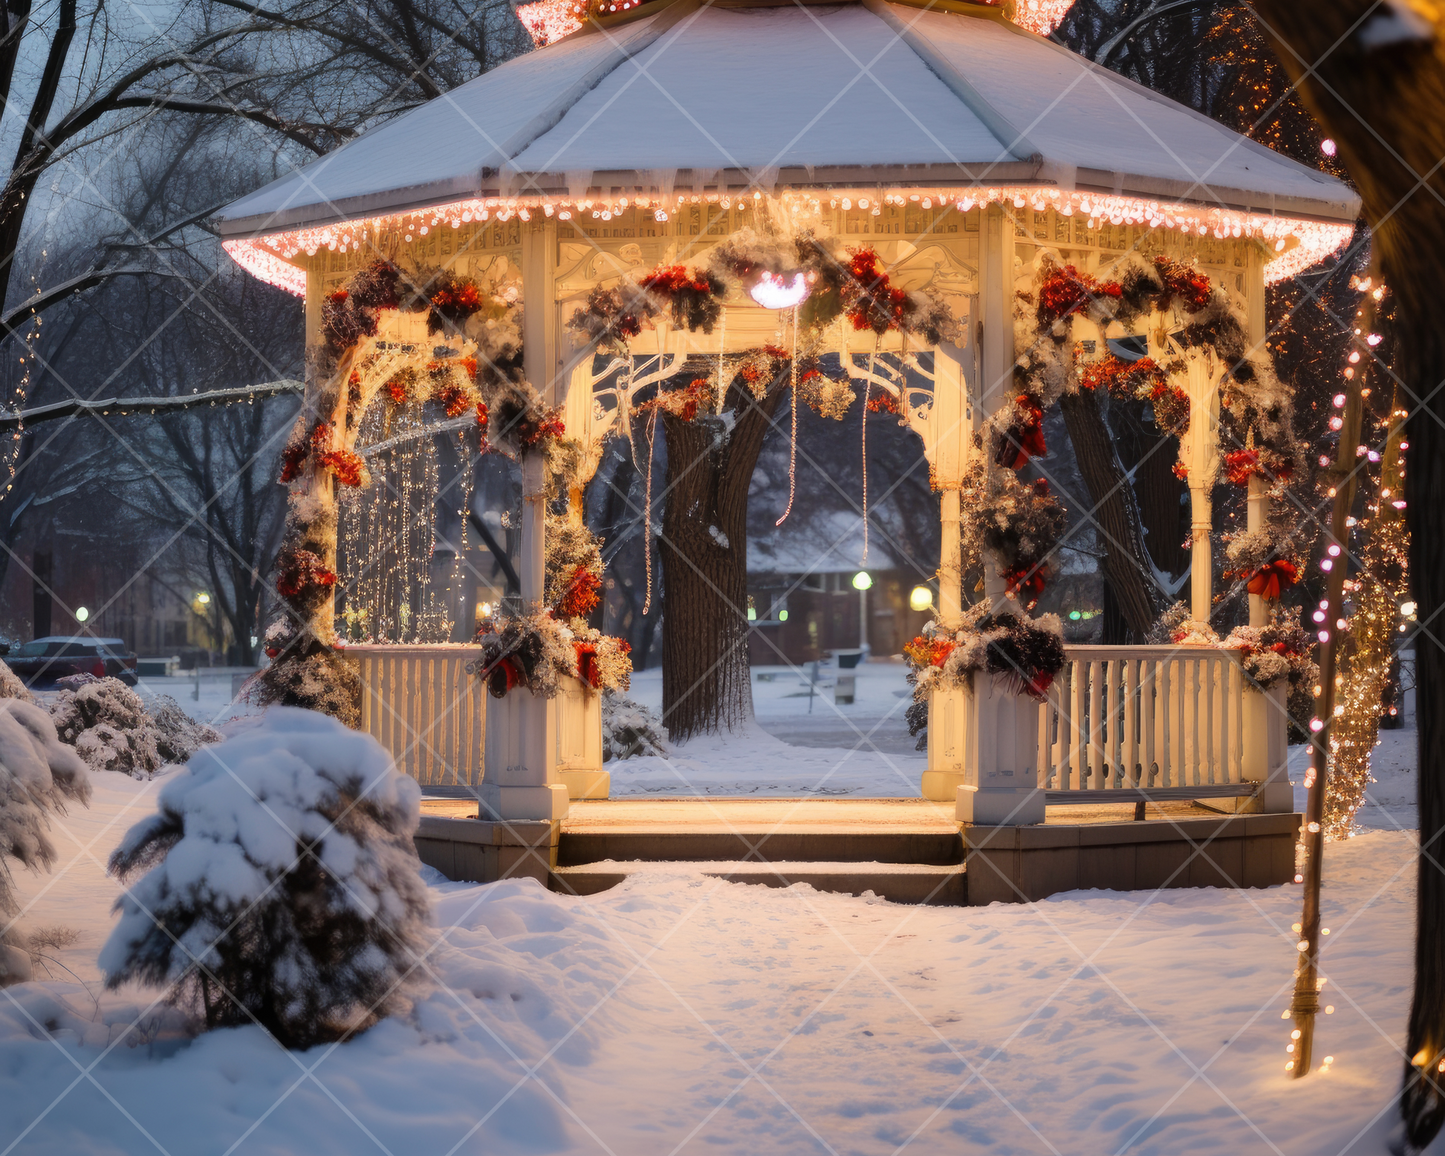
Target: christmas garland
{"points": [[1255, 409], [1017, 523], [1280, 653], [537, 652], [1028, 653], [1269, 560], [485, 377], [848, 283]]}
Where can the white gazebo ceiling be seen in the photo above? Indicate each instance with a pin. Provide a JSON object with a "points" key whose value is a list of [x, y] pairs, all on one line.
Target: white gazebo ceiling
{"points": [[691, 97]]}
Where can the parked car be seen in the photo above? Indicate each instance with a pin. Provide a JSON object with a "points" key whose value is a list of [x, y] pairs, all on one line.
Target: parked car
{"points": [[41, 662]]}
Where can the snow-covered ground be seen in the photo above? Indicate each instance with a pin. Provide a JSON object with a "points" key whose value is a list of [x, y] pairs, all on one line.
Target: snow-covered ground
{"points": [[801, 745], [679, 1013]]}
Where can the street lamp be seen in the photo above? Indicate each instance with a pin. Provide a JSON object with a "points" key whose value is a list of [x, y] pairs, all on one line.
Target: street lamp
{"points": [[862, 582], [81, 613], [920, 599]]}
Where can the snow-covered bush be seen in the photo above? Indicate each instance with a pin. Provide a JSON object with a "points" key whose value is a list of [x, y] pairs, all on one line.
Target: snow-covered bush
{"points": [[38, 774], [320, 680], [11, 686], [280, 883], [180, 735], [106, 722], [109, 725], [629, 729]]}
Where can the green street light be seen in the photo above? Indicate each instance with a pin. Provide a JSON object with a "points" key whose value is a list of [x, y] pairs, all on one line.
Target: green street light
{"points": [[862, 580]]}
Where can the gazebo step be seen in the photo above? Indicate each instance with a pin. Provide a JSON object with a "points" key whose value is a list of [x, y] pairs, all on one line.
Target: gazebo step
{"points": [[934, 884], [769, 844]]}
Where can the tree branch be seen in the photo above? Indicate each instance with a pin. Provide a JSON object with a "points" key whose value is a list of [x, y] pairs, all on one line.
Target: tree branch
{"points": [[132, 406]]}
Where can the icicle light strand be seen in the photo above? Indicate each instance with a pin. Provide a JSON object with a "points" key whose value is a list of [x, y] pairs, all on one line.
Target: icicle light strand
{"points": [[793, 404], [1297, 243]]}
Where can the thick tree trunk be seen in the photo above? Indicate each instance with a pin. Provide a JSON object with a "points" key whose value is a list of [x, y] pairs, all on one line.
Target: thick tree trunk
{"points": [[706, 684], [1115, 514], [1163, 507], [1375, 76]]}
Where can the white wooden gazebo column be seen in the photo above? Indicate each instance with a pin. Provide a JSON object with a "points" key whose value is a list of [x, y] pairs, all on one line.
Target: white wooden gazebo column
{"points": [[983, 741], [520, 781], [1264, 715]]}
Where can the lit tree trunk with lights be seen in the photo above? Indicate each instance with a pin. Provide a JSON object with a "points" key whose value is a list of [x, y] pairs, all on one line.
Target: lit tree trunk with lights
{"points": [[1375, 75]]}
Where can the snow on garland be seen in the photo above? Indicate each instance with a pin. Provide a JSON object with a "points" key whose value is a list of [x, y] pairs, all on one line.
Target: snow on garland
{"points": [[1256, 412], [851, 285], [1017, 523], [1028, 652], [537, 651], [480, 322], [1278, 654]]}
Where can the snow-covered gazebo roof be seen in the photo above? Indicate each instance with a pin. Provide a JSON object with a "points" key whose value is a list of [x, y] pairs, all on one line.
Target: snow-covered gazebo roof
{"points": [[676, 98]]}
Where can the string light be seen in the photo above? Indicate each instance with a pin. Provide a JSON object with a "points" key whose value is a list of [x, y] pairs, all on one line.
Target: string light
{"points": [[387, 532], [277, 258], [793, 443]]}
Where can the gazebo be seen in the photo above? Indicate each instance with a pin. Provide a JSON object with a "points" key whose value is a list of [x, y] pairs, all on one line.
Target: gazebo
{"points": [[974, 160]]}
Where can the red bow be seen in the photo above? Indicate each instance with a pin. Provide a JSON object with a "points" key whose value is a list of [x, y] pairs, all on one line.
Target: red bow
{"points": [[1273, 577], [1027, 583], [587, 668], [503, 677], [1024, 439]]}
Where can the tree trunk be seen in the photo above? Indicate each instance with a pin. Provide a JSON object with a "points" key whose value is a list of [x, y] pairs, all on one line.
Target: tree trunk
{"points": [[1150, 455], [1115, 514], [1378, 96], [706, 683]]}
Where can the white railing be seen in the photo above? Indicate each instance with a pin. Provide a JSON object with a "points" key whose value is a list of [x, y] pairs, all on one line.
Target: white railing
{"points": [[1164, 718], [423, 706]]}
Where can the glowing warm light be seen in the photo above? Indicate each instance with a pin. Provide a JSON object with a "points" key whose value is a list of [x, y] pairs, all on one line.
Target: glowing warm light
{"points": [[862, 580], [777, 292], [921, 598], [1041, 16], [274, 257], [547, 21], [1327, 146], [81, 613]]}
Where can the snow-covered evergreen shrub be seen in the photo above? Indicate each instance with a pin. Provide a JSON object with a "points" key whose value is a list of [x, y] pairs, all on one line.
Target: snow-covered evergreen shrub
{"points": [[109, 725], [321, 680], [11, 686], [280, 883], [38, 774], [629, 729], [180, 736], [106, 722]]}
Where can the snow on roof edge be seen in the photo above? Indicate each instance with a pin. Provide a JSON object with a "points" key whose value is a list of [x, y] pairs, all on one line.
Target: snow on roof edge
{"points": [[273, 257]]}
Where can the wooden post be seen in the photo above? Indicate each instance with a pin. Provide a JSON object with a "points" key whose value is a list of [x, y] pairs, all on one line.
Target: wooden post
{"points": [[996, 349], [948, 440], [983, 741], [320, 484], [521, 780]]}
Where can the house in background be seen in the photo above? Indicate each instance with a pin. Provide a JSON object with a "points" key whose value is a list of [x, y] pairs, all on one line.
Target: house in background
{"points": [[811, 591]]}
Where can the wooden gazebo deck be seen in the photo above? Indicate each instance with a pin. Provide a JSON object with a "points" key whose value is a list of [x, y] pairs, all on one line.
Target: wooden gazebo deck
{"points": [[905, 850]]}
